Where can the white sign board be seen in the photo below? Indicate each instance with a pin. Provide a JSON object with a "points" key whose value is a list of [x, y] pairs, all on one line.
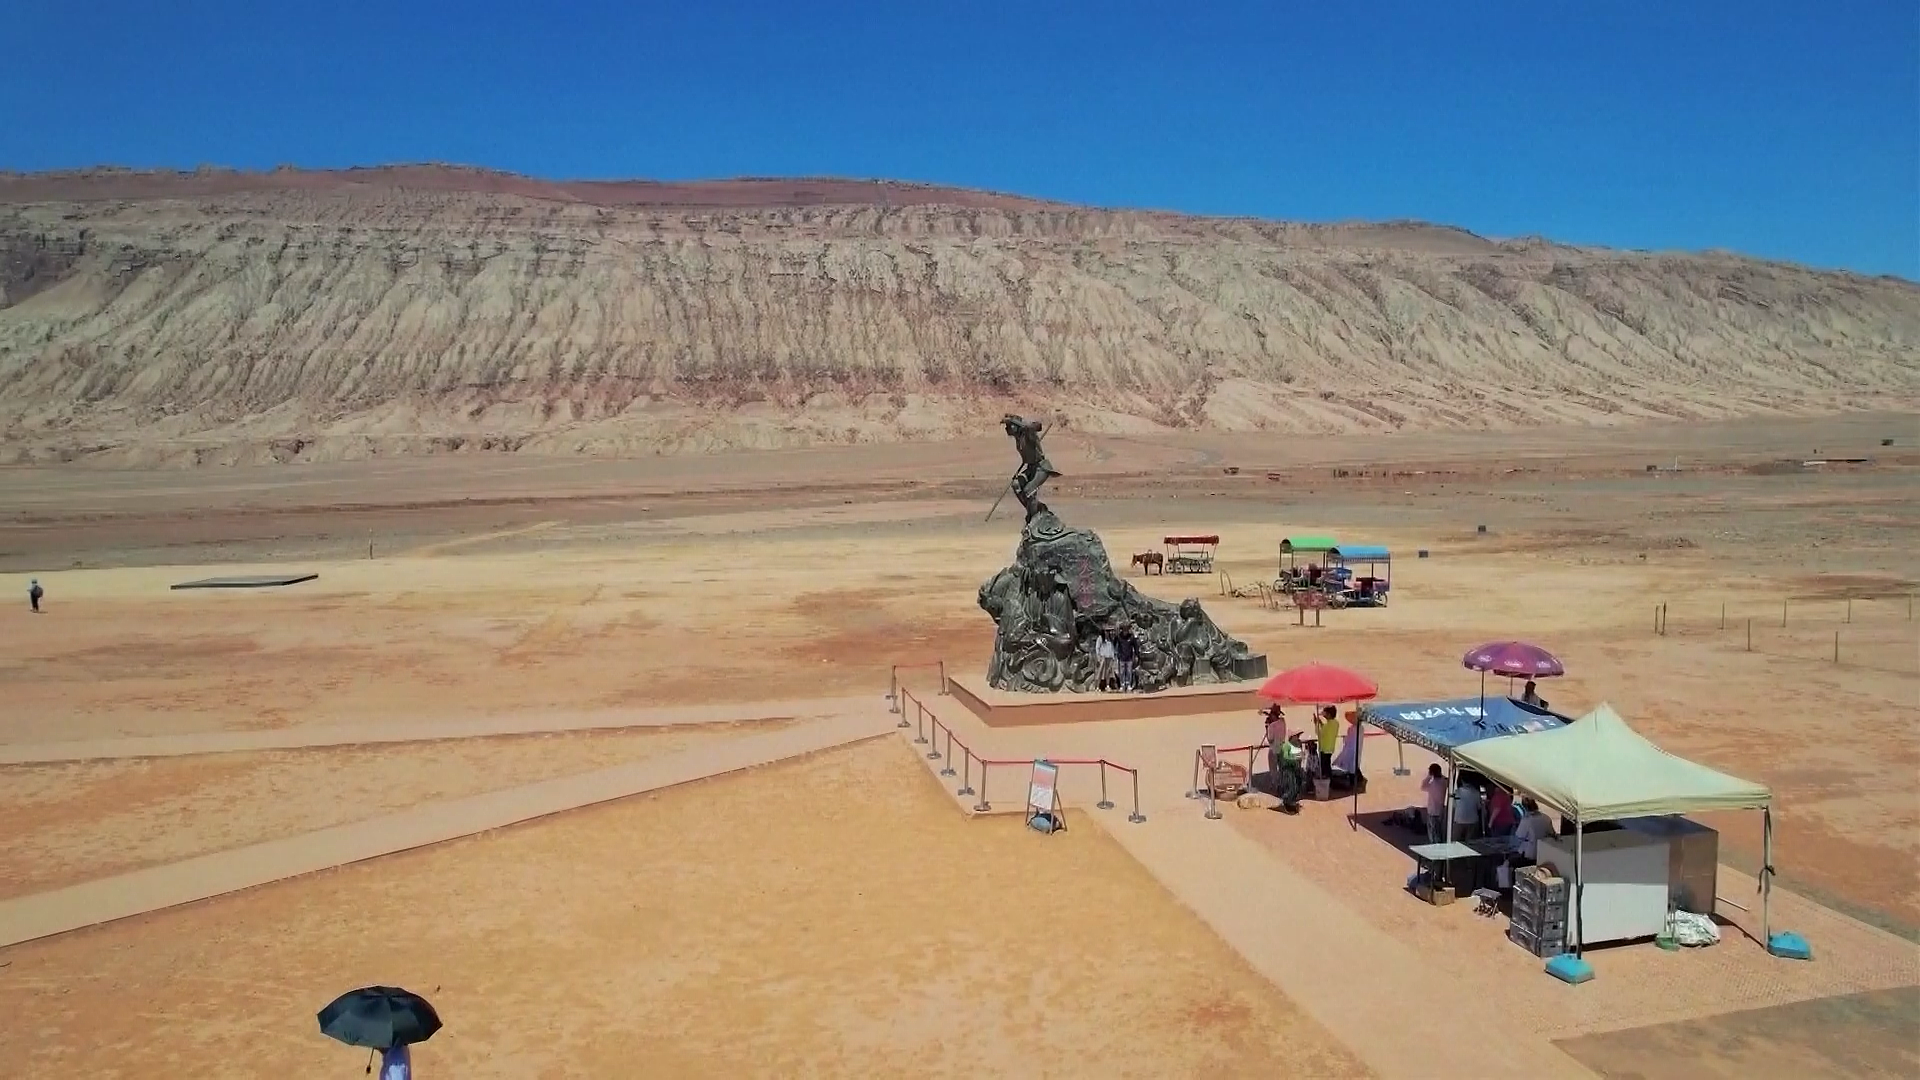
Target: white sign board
{"points": [[1040, 789]]}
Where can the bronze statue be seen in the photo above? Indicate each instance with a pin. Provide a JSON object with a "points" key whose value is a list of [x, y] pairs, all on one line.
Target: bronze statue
{"points": [[1051, 605], [1035, 470]]}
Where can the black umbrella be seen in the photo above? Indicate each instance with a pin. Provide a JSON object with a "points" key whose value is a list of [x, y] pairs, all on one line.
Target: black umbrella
{"points": [[378, 1017]]}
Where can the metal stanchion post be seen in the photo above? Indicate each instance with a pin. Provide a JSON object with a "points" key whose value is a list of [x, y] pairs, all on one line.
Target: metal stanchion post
{"points": [[1194, 791], [1723, 616], [982, 806], [1836, 646], [1213, 808], [966, 773], [893, 689], [919, 718], [948, 769], [943, 676], [896, 705], [1104, 803], [933, 752], [1136, 816]]}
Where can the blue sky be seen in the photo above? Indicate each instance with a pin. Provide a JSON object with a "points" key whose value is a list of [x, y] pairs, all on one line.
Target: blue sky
{"points": [[1787, 130]]}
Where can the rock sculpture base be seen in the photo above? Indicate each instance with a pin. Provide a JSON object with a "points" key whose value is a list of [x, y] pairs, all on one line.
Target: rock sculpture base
{"points": [[1061, 594]]}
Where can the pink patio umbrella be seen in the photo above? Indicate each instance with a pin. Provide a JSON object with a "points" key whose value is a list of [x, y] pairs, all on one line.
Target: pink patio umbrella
{"points": [[1515, 660]]}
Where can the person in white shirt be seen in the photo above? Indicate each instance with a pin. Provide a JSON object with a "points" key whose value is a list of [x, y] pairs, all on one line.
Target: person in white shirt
{"points": [[1532, 829], [1104, 657], [1466, 812], [1434, 786], [396, 1063]]}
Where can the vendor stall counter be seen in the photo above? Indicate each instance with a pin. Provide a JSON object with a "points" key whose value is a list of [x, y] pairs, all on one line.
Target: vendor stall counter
{"points": [[1624, 884]]}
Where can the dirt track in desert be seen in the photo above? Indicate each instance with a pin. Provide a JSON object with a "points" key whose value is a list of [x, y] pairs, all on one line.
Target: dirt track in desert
{"points": [[597, 591]]}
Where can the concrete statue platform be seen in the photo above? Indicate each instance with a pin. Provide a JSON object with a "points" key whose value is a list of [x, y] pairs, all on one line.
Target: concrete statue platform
{"points": [[1010, 708]]}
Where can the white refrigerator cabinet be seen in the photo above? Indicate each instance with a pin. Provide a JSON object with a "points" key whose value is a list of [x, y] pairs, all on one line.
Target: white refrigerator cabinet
{"points": [[1625, 885]]}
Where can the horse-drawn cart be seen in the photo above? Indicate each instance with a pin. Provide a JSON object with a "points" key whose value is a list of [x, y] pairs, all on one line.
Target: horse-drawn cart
{"points": [[1300, 558], [1191, 554], [1368, 587]]}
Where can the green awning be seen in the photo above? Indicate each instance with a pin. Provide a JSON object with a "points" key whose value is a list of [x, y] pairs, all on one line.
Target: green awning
{"points": [[1307, 543]]}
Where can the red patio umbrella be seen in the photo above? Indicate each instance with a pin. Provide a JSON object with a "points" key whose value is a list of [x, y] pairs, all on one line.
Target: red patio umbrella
{"points": [[1319, 684]]}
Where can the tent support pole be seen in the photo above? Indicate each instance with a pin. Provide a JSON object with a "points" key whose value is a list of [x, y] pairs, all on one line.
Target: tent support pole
{"points": [[1577, 924], [1359, 738], [1766, 875]]}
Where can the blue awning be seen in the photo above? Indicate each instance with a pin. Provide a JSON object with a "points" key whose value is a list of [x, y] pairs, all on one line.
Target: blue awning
{"points": [[1440, 726], [1361, 553]]}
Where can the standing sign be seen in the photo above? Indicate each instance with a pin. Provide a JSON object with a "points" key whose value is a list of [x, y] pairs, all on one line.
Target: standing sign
{"points": [[1040, 789], [1043, 802]]}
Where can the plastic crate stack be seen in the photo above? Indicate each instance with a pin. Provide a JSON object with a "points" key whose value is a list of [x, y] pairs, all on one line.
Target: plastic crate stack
{"points": [[1539, 912]]}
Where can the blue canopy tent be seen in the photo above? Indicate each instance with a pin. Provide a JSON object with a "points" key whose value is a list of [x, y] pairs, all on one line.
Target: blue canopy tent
{"points": [[1445, 726]]}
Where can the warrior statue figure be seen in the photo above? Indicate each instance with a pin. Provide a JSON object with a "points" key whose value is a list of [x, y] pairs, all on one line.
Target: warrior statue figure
{"points": [[1035, 470]]}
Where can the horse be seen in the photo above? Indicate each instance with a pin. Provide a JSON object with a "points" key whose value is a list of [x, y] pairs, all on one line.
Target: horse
{"points": [[1150, 562]]}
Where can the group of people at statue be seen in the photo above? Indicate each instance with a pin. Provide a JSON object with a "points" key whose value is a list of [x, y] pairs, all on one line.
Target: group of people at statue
{"points": [[1116, 653]]}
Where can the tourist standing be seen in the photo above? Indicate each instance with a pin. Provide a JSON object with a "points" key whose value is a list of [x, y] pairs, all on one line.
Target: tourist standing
{"points": [[396, 1063], [1500, 815], [1275, 735], [1466, 812], [1434, 786], [34, 593], [1534, 827], [1126, 652], [1327, 734], [1290, 779], [1105, 662]]}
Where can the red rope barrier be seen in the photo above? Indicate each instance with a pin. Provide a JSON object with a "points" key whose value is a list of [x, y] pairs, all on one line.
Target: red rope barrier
{"points": [[922, 712]]}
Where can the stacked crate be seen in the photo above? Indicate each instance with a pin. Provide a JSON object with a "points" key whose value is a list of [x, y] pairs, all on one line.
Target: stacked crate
{"points": [[1539, 912]]}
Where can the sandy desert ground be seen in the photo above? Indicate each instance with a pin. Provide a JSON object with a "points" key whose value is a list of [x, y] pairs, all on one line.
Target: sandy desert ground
{"points": [[839, 908]]}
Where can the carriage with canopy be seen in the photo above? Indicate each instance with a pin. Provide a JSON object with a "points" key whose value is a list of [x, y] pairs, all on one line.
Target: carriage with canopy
{"points": [[1300, 562], [1358, 575], [1191, 554]]}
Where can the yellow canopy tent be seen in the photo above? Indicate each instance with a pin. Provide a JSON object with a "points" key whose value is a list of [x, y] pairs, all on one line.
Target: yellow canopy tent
{"points": [[1599, 768]]}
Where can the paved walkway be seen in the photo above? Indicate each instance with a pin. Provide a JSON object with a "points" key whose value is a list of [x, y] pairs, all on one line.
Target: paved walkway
{"points": [[305, 737], [1375, 994], [124, 895]]}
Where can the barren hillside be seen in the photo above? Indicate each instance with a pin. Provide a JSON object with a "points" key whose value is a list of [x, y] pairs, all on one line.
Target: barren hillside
{"points": [[171, 319]]}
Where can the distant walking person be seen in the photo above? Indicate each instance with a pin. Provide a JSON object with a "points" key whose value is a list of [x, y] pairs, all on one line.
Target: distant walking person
{"points": [[34, 593]]}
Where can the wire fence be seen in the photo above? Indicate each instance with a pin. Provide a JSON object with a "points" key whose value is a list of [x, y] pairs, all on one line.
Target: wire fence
{"points": [[1876, 633], [925, 723]]}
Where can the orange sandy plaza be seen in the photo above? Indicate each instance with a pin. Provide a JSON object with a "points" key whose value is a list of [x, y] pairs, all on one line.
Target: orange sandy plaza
{"points": [[613, 792]]}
